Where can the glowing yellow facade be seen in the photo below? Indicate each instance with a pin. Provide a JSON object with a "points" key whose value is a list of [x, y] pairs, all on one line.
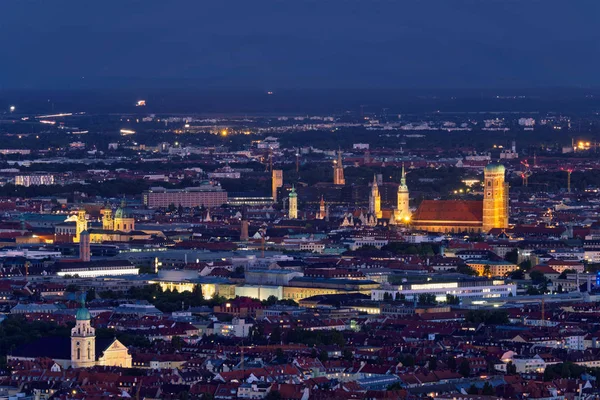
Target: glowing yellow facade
{"points": [[293, 210], [338, 171], [402, 212], [80, 224], [375, 200], [276, 182], [495, 198]]}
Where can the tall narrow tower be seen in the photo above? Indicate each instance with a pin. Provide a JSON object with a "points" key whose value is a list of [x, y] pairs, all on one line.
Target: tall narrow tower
{"points": [[293, 208], [80, 225], [276, 182], [83, 339], [495, 198], [84, 246], [244, 235], [322, 211], [107, 219], [338, 171], [402, 209], [375, 199]]}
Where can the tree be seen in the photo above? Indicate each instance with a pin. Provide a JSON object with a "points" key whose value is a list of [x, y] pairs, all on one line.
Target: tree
{"points": [[387, 297], [72, 288], [279, 355], [487, 270], [465, 269], [273, 395], [276, 335], [452, 300], [537, 277], [432, 363], [347, 354], [525, 265], [472, 389], [323, 355], [427, 299], [451, 363], [488, 389], [90, 295], [464, 368], [511, 369], [177, 342], [271, 300], [512, 256], [517, 274]]}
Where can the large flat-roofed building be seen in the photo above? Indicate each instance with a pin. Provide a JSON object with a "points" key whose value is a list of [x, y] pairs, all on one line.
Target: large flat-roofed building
{"points": [[492, 268], [34, 180], [274, 277], [94, 269], [469, 288], [302, 287], [206, 195], [249, 199]]}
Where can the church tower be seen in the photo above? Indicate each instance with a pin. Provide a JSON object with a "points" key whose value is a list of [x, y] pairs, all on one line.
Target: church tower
{"points": [[122, 221], [338, 171], [276, 182], [402, 210], [80, 225], [495, 198], [375, 200], [83, 339], [293, 210], [107, 219], [322, 210]]}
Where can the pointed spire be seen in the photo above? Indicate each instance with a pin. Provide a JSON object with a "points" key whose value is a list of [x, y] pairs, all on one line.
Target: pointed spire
{"points": [[403, 178]]}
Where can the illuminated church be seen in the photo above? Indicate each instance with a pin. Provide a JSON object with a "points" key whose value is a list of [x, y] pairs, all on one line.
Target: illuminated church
{"points": [[81, 350], [117, 228], [471, 216]]}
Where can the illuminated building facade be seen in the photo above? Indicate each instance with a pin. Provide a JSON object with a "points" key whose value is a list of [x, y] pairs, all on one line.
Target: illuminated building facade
{"points": [[80, 225], [402, 212], [375, 200], [293, 204], [469, 216], [276, 182], [338, 171], [495, 198], [468, 289]]}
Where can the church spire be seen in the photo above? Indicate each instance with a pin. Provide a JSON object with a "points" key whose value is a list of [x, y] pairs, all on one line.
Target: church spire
{"points": [[403, 178]]}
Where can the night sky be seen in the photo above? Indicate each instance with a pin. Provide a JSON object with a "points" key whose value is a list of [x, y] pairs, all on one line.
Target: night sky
{"points": [[267, 44]]}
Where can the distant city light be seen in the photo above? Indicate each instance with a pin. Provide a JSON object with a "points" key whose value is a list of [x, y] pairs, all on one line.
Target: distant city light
{"points": [[126, 132], [140, 103], [12, 108], [224, 132]]}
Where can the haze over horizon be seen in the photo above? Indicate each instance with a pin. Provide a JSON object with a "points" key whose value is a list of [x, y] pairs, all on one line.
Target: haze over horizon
{"points": [[304, 44]]}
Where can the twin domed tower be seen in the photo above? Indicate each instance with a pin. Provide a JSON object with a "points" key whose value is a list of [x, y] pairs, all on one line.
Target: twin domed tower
{"points": [[495, 197]]}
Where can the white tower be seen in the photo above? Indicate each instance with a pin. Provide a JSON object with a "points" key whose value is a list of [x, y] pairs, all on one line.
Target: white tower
{"points": [[375, 199], [83, 340], [293, 209], [402, 213]]}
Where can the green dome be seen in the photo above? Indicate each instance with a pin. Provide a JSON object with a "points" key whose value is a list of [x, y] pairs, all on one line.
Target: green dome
{"points": [[83, 314], [495, 168], [293, 192]]}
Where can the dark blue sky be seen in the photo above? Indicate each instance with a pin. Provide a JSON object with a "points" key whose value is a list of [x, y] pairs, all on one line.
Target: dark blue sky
{"points": [[271, 44]]}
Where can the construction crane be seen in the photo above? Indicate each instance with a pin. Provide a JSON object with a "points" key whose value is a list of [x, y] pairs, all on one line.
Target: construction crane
{"points": [[526, 173], [569, 172]]}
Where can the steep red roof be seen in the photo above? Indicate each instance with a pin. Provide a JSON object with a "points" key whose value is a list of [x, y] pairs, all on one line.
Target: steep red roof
{"points": [[449, 210]]}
